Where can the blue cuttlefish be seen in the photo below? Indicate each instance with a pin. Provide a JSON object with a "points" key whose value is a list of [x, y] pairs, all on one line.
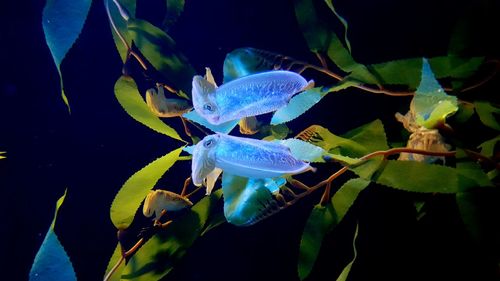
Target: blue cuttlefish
{"points": [[244, 157], [247, 96]]}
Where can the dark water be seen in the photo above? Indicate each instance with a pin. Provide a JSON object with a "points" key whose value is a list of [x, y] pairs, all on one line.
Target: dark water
{"points": [[96, 148]]}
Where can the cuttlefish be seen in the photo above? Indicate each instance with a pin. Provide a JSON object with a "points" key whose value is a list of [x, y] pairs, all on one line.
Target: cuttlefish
{"points": [[247, 96], [159, 200], [244, 157]]}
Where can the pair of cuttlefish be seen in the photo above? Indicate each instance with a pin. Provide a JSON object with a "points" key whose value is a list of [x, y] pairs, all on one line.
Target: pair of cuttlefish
{"points": [[241, 98]]}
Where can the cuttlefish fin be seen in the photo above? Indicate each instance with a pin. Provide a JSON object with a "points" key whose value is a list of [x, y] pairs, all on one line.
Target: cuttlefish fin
{"points": [[209, 77], [249, 125], [210, 180]]}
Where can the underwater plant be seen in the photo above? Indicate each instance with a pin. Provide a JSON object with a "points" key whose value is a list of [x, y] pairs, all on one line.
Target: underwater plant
{"points": [[261, 169]]}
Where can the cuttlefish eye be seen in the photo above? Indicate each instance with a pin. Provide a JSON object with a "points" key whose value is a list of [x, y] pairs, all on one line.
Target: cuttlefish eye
{"points": [[208, 107], [208, 143]]}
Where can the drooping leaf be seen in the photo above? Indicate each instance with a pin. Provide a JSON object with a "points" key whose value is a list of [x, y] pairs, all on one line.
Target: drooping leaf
{"points": [[174, 11], [329, 3], [302, 102], [158, 255], [117, 255], [161, 51], [486, 112], [304, 151], [62, 22], [431, 105], [247, 200], [323, 219], [488, 147], [221, 128], [135, 189], [131, 100], [51, 262], [345, 272], [119, 11], [429, 178]]}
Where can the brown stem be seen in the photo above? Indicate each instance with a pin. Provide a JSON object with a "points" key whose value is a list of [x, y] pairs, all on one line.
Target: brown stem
{"points": [[187, 181], [194, 191], [186, 129], [123, 257]]}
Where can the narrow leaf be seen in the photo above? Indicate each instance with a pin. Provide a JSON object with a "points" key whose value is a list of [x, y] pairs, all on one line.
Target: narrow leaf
{"points": [[135, 189], [158, 255], [343, 21], [51, 262], [488, 114], [131, 100], [345, 272], [120, 23], [62, 22]]}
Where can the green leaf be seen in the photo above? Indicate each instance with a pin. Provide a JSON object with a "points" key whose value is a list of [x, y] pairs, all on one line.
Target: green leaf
{"points": [[343, 21], [135, 189], [486, 112], [371, 136], [117, 256], [345, 272], [431, 105], [62, 22], [158, 255], [131, 100], [429, 178], [174, 11], [161, 51], [470, 173], [246, 200], [323, 219], [51, 262], [120, 23], [488, 147], [302, 102], [225, 127], [464, 113]]}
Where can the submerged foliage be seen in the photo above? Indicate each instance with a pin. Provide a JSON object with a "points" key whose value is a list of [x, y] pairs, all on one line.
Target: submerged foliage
{"points": [[430, 164]]}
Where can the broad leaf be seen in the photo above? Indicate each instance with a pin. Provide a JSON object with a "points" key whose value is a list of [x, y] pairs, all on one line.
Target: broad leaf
{"points": [[486, 112], [174, 11], [221, 128], [247, 200], [51, 262], [302, 102], [421, 177], [345, 272], [135, 189], [431, 105], [131, 100], [158, 255], [62, 22], [488, 147], [161, 51], [323, 219]]}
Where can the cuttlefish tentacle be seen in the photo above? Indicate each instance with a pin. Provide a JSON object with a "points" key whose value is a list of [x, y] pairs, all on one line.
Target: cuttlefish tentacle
{"points": [[243, 157], [247, 96]]}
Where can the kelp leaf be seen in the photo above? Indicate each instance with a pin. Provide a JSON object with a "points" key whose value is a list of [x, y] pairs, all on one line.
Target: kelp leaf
{"points": [[221, 128], [302, 102], [329, 3], [121, 24], [304, 151], [488, 147], [117, 255], [429, 178], [174, 11], [62, 22], [486, 112], [431, 105], [135, 189], [246, 200], [158, 255], [51, 262], [345, 272], [130, 99], [323, 219], [161, 51]]}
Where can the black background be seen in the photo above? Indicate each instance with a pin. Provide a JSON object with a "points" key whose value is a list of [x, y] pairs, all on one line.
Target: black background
{"points": [[96, 148]]}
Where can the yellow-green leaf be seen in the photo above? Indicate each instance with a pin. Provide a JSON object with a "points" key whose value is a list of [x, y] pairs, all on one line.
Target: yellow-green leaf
{"points": [[3, 156], [131, 100], [135, 189], [345, 272]]}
